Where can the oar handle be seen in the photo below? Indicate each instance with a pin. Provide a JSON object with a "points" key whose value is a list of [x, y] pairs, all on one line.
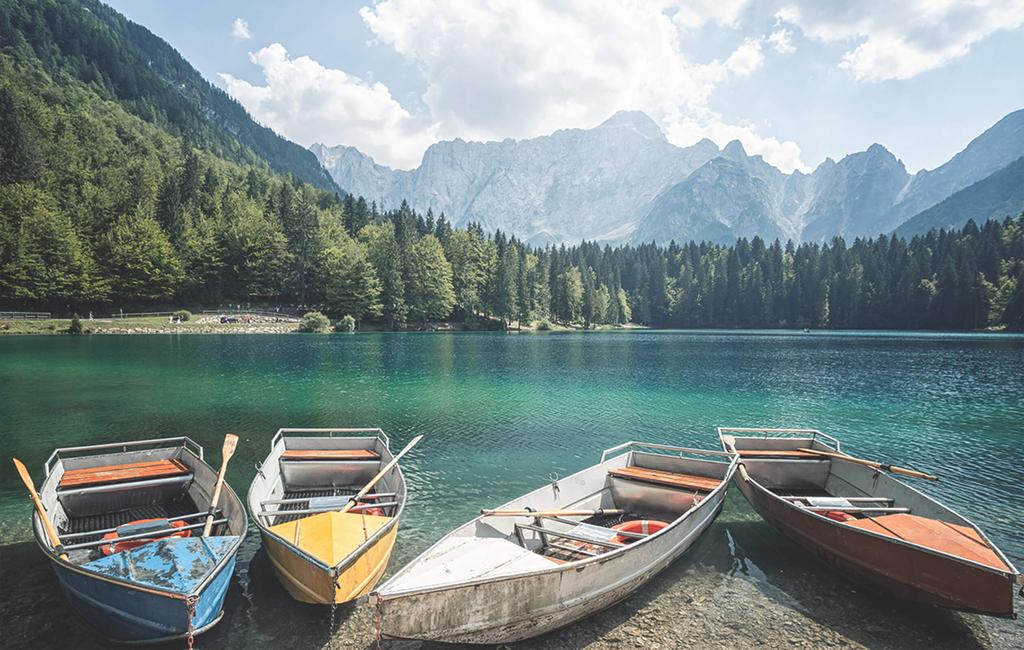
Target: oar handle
{"points": [[872, 463], [910, 472]]}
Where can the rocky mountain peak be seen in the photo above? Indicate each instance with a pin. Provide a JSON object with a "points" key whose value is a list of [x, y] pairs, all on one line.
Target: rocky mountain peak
{"points": [[735, 150], [637, 121], [624, 180]]}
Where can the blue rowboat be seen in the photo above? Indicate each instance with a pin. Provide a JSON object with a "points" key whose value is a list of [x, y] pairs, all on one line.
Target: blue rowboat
{"points": [[130, 519]]}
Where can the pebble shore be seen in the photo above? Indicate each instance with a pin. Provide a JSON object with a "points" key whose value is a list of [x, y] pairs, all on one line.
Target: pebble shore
{"points": [[742, 585]]}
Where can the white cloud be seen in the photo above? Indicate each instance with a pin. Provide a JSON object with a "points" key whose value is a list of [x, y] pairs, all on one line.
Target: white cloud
{"points": [[898, 40], [307, 102], [505, 68], [746, 59], [782, 42], [693, 14], [240, 29]]}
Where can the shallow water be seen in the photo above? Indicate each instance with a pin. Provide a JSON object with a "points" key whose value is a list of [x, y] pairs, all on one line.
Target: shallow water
{"points": [[503, 413]]}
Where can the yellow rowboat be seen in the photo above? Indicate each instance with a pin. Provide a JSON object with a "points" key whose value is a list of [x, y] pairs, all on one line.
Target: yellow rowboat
{"points": [[327, 536]]}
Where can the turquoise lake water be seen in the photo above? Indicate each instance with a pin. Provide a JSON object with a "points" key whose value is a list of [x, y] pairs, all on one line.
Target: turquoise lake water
{"points": [[503, 413]]}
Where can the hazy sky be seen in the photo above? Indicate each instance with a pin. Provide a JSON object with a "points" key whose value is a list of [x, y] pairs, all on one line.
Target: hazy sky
{"points": [[796, 80]]}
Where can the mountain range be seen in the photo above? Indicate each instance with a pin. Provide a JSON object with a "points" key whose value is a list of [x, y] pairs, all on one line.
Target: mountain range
{"points": [[623, 181]]}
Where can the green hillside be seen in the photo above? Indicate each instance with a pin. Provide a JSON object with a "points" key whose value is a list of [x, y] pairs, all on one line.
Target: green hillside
{"points": [[122, 61], [115, 190], [993, 197]]}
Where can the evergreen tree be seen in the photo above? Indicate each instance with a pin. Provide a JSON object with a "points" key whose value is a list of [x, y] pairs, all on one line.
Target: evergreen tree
{"points": [[471, 257], [625, 313], [383, 253], [49, 266], [255, 251], [430, 283], [19, 153], [351, 284], [139, 260], [570, 291]]}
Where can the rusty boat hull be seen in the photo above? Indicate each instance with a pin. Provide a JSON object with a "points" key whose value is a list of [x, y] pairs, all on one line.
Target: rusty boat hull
{"points": [[919, 569]]}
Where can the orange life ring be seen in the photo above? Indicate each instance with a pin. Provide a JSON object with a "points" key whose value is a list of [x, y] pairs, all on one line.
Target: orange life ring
{"points": [[377, 512], [110, 549], [645, 526]]}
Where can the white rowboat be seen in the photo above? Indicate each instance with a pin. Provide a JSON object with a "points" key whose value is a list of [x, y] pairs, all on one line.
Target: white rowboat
{"points": [[499, 579]]}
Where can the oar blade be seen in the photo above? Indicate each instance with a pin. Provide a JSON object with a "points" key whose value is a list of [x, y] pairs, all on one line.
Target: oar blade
{"points": [[23, 473], [230, 443]]}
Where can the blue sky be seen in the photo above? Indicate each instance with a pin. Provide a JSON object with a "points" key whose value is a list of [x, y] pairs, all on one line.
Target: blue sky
{"points": [[794, 80]]}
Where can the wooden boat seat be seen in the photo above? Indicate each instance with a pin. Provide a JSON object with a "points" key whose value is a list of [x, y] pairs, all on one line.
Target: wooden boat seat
{"points": [[129, 472], [330, 454], [669, 479], [961, 541], [776, 453]]}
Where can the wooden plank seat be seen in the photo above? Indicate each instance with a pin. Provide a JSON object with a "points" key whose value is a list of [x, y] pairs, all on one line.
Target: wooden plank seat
{"points": [[129, 472], [330, 454], [776, 453], [670, 479], [961, 541]]}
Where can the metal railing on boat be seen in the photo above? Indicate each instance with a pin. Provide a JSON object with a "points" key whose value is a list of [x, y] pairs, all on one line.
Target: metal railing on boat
{"points": [[146, 535], [632, 445], [104, 531], [813, 433], [376, 431]]}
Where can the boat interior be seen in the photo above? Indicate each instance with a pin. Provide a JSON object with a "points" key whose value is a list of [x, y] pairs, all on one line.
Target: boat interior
{"points": [[118, 497], [640, 492], [312, 473], [856, 495]]}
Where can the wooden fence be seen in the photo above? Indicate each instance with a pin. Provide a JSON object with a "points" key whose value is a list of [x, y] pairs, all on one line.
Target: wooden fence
{"points": [[24, 315]]}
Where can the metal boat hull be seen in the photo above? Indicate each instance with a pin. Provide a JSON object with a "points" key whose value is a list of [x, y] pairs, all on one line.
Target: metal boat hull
{"points": [[494, 605], [308, 581], [515, 609], [332, 574], [908, 572], [142, 594], [126, 614]]}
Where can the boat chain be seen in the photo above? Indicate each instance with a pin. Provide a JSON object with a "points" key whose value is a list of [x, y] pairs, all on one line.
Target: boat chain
{"points": [[190, 607], [334, 608]]}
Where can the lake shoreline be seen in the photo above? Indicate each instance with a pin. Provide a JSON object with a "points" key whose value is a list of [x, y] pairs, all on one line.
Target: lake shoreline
{"points": [[59, 326]]}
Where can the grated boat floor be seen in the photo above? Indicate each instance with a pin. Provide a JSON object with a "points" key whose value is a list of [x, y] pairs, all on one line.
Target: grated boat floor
{"points": [[564, 553], [310, 493], [106, 520]]}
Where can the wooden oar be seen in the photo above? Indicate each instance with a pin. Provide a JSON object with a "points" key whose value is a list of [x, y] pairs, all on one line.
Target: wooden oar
{"points": [[871, 463], [551, 513], [47, 524], [230, 442], [373, 481]]}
